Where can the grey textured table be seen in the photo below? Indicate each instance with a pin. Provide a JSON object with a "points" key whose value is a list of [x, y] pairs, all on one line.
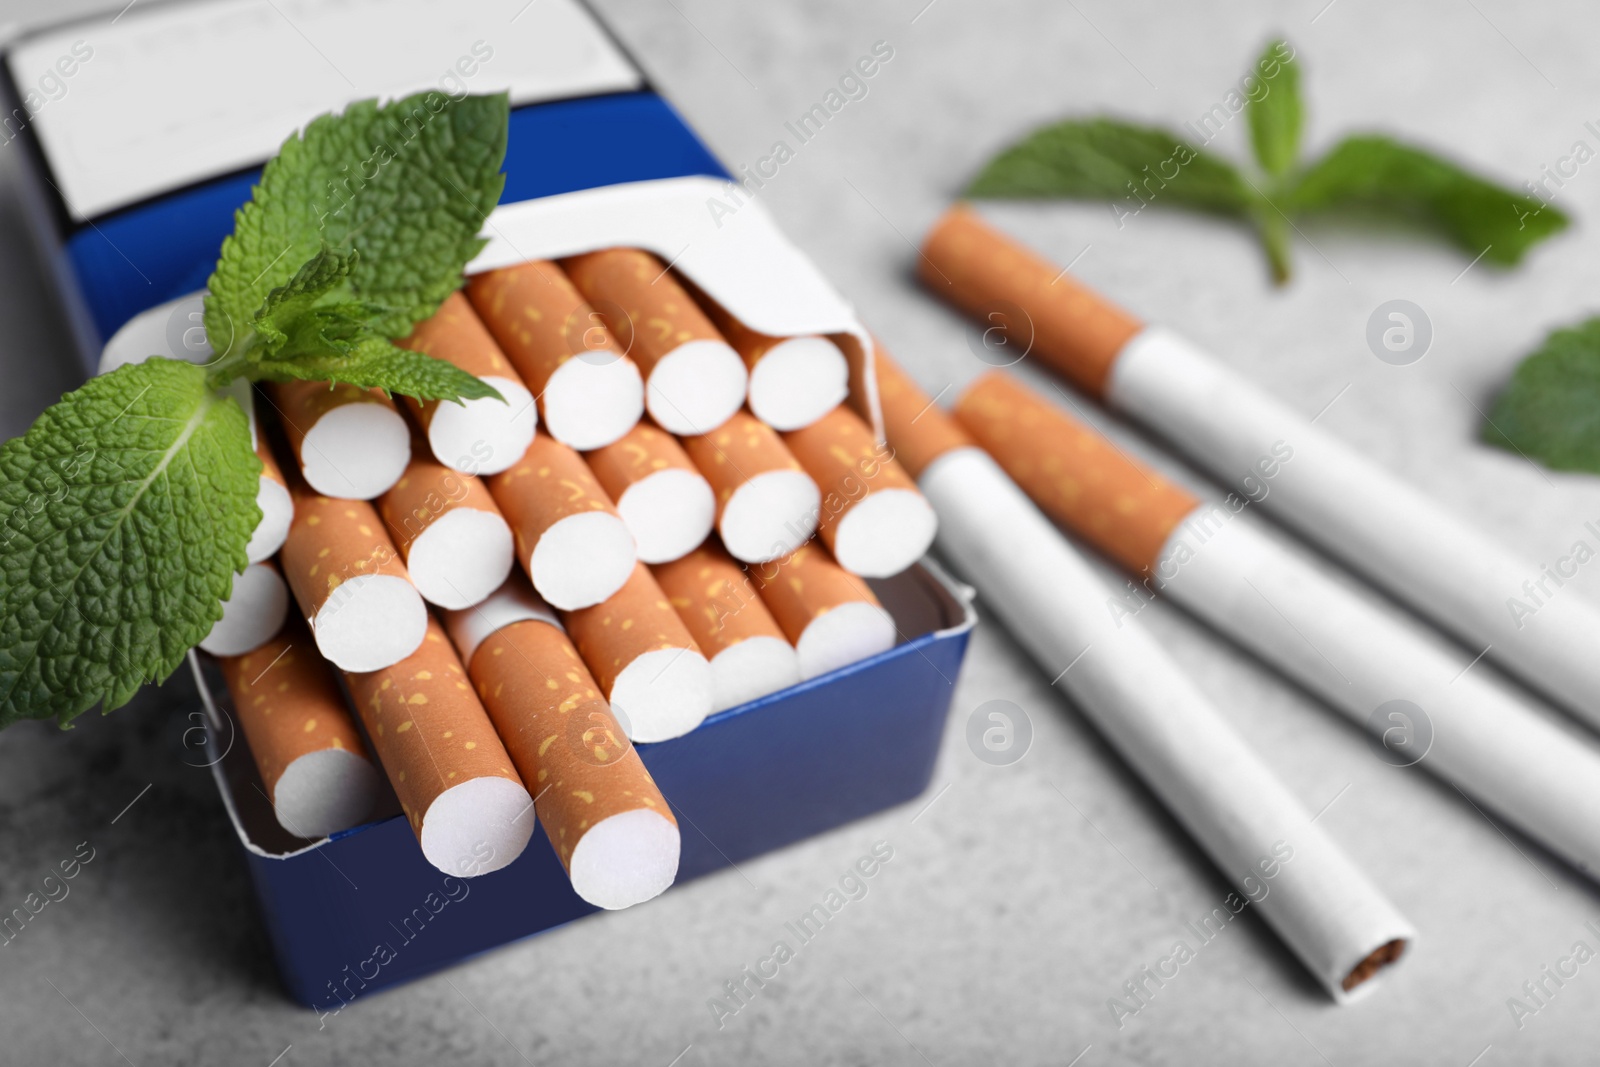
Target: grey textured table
{"points": [[1024, 896]]}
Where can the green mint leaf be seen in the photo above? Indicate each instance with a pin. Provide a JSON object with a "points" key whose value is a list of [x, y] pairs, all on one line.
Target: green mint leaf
{"points": [[407, 185], [372, 362], [288, 304], [1550, 410], [1392, 182], [1275, 116], [124, 513], [1104, 158]]}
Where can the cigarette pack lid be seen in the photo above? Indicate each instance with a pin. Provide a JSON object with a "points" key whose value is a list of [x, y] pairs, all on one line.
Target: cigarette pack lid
{"points": [[158, 98]]}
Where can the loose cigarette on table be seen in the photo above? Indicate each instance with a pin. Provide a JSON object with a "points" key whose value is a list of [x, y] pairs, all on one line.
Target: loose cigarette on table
{"points": [[830, 615], [1329, 493], [254, 611], [483, 436], [650, 669], [590, 393], [604, 816], [1323, 907], [693, 378], [569, 536], [455, 543], [667, 503], [351, 586], [349, 442], [277, 508], [719, 603], [794, 381], [301, 735], [767, 505], [456, 782], [1357, 653], [873, 519]]}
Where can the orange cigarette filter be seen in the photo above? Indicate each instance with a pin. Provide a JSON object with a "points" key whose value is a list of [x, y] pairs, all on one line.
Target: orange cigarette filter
{"points": [[560, 732], [289, 705], [538, 318], [647, 664], [805, 585], [693, 379], [455, 543], [993, 278], [643, 451], [359, 624], [666, 502], [873, 518], [480, 436], [657, 315], [434, 737], [1075, 475], [766, 502], [919, 430], [548, 491], [543, 324], [348, 442], [716, 599]]}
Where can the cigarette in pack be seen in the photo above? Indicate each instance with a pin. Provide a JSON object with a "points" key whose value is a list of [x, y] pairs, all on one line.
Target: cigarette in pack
{"points": [[483, 436], [694, 380], [456, 782], [719, 603], [767, 505], [350, 443], [455, 544], [873, 519], [1327, 492], [1382, 669], [302, 736], [663, 498], [830, 615], [1324, 908], [272, 497], [649, 668], [590, 393], [608, 823], [254, 611], [350, 583], [569, 536], [794, 381]]}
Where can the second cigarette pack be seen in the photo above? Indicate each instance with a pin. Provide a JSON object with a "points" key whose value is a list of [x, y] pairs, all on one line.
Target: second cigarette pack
{"points": [[142, 135]]}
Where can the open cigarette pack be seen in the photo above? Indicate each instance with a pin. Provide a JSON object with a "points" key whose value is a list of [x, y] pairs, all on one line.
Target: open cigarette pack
{"points": [[685, 396]]}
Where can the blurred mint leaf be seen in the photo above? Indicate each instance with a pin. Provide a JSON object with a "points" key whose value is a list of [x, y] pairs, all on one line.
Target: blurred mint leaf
{"points": [[1135, 166], [1381, 178], [1275, 116], [1103, 158], [1550, 410], [124, 513]]}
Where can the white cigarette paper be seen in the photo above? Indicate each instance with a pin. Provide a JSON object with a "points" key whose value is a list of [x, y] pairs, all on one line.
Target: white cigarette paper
{"points": [[1344, 645], [1361, 513], [1320, 904]]}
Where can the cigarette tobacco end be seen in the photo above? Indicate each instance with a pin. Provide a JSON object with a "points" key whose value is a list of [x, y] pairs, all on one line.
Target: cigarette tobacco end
{"points": [[1380, 958]]}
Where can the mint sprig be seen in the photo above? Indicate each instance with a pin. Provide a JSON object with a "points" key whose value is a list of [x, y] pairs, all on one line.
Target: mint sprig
{"points": [[125, 510], [1366, 177]]}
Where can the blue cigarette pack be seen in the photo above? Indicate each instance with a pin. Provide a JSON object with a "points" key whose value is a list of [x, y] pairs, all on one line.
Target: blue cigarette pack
{"points": [[134, 176]]}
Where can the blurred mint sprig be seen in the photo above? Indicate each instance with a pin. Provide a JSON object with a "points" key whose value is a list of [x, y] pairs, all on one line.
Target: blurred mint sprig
{"points": [[125, 510], [1367, 176]]}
